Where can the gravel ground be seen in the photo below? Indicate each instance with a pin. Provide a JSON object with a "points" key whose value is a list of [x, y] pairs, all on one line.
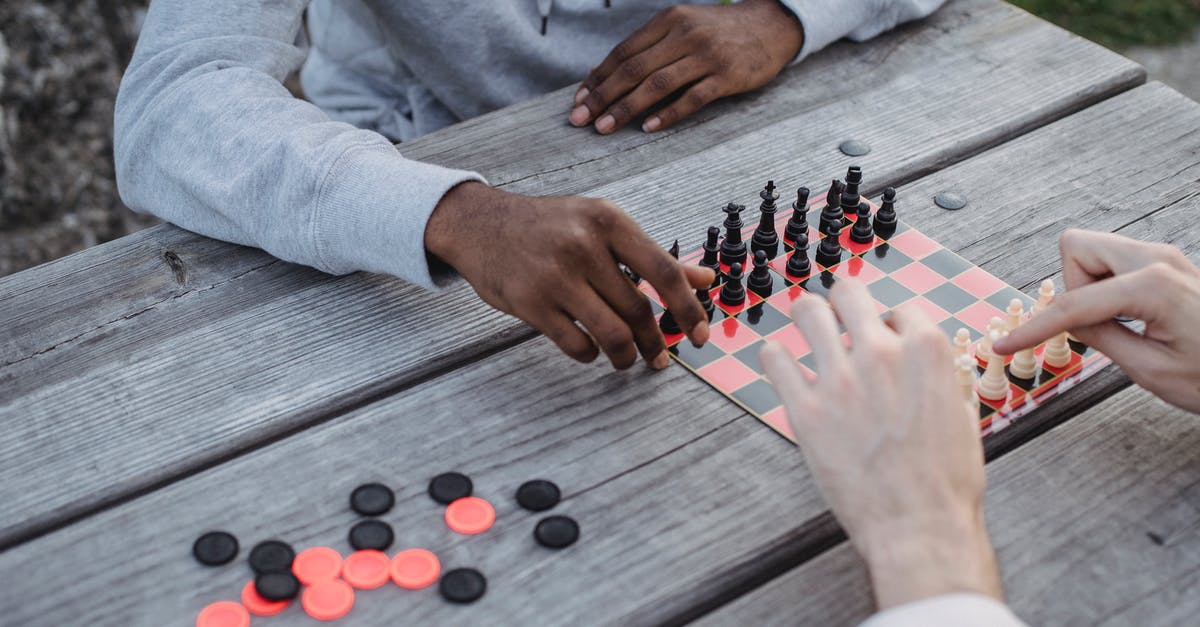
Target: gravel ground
{"points": [[60, 65]]}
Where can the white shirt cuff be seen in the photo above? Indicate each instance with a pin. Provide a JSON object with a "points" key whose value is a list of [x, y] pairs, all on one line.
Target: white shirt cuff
{"points": [[957, 610]]}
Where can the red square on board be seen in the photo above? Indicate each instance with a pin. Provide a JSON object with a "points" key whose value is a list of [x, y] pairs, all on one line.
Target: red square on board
{"points": [[652, 293], [779, 264], [853, 246], [856, 268], [977, 316], [792, 339], [917, 278], [978, 282], [914, 244], [728, 373], [783, 300], [777, 419], [935, 313], [732, 336]]}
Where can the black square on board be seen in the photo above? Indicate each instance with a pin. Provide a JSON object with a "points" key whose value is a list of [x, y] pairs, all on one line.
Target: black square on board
{"points": [[1000, 299], [696, 357], [951, 326], [819, 284], [758, 396], [749, 356], [763, 319], [950, 297], [889, 292], [886, 258], [946, 263]]}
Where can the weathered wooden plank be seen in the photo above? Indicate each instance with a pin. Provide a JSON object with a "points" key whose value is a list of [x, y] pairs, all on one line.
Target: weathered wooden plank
{"points": [[1095, 523], [684, 500], [137, 400]]}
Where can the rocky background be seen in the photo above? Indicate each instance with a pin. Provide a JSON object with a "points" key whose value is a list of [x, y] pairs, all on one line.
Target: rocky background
{"points": [[61, 62]]}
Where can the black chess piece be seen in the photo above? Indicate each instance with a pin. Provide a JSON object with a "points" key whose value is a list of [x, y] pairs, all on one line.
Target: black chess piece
{"points": [[765, 238], [862, 233], [705, 299], [797, 224], [732, 292], [759, 280], [829, 251], [733, 249], [885, 218], [798, 264], [667, 322], [712, 251], [832, 212]]}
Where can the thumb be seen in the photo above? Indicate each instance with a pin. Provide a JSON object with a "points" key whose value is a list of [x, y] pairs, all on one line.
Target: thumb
{"points": [[699, 277]]}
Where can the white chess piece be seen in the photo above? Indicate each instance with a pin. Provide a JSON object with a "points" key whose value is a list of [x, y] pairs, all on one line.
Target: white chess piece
{"points": [[1015, 311], [962, 342], [993, 385], [984, 350], [1058, 351], [965, 377], [1045, 296]]}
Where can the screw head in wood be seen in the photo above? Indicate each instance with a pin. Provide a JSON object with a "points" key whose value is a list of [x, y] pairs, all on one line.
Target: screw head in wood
{"points": [[854, 148], [951, 201]]}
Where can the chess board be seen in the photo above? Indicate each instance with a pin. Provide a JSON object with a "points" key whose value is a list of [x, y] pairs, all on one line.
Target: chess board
{"points": [[905, 268]]}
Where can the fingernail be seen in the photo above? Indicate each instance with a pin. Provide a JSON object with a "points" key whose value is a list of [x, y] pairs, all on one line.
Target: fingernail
{"points": [[651, 125], [579, 116], [701, 331], [581, 94], [660, 362], [605, 123]]}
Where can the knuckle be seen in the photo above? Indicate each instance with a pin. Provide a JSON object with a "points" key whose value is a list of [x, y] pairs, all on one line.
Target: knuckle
{"points": [[621, 111], [632, 69], [622, 50], [660, 82], [604, 215], [616, 339], [697, 97], [1160, 275], [1172, 255], [675, 13]]}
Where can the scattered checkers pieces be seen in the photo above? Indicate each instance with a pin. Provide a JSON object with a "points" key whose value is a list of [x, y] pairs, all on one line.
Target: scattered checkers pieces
{"points": [[372, 499], [318, 564], [328, 600], [449, 487], [556, 532], [215, 548], [463, 585], [538, 495], [259, 606], [223, 614], [414, 569], [271, 556], [277, 586], [366, 570], [470, 515], [371, 534]]}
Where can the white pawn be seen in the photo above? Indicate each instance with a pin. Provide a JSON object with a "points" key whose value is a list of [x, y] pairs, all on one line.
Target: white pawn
{"points": [[962, 343], [1045, 295], [1058, 351], [1015, 311], [1024, 364], [993, 385], [984, 350], [965, 377]]}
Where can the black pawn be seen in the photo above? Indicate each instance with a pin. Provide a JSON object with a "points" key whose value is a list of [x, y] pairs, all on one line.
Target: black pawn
{"points": [[885, 218], [667, 322], [732, 293], [733, 249], [798, 264], [712, 252], [798, 224], [765, 238], [759, 280], [829, 251], [832, 213], [862, 233], [705, 299]]}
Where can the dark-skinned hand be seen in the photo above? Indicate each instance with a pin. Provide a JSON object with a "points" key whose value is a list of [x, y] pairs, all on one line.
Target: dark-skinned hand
{"points": [[553, 261], [713, 51]]}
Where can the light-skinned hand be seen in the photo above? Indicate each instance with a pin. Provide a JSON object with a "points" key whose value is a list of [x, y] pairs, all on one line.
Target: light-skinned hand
{"points": [[1109, 275], [553, 261], [705, 52], [891, 445]]}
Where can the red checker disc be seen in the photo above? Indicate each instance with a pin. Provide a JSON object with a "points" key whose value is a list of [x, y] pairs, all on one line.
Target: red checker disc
{"points": [[223, 614], [366, 569], [328, 600], [470, 515], [260, 606], [914, 244], [728, 373], [732, 336], [978, 283], [320, 563], [415, 569], [918, 278]]}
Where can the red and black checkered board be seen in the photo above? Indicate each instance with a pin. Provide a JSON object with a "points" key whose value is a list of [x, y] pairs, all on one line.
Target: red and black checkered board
{"points": [[906, 268]]}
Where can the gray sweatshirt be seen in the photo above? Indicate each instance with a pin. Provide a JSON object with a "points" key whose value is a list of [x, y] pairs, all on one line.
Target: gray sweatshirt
{"points": [[208, 138]]}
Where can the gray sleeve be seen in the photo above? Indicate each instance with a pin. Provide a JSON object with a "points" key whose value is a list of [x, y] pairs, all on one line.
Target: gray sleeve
{"points": [[826, 22], [207, 137]]}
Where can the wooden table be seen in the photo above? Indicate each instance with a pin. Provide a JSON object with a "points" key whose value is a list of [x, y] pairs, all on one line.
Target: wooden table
{"points": [[165, 384]]}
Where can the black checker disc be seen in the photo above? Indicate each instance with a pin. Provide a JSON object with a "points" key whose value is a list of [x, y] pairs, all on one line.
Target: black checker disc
{"points": [[277, 586], [463, 585], [556, 532], [271, 556], [449, 487], [372, 499], [538, 495], [371, 534], [215, 548]]}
